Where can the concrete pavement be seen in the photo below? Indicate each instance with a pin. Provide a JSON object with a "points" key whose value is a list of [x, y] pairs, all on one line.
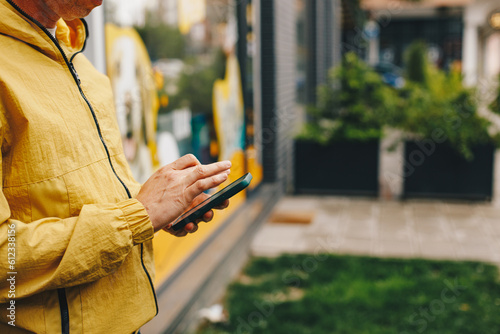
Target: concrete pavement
{"points": [[406, 229]]}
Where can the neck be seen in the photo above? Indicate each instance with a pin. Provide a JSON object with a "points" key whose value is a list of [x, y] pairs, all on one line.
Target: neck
{"points": [[40, 11]]}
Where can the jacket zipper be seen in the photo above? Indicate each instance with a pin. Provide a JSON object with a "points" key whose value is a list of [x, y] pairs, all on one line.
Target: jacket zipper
{"points": [[62, 295], [96, 122], [63, 305], [77, 79]]}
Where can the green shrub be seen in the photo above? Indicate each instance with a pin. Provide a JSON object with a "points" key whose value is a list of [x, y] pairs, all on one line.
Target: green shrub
{"points": [[416, 63], [495, 105], [354, 104], [436, 104]]}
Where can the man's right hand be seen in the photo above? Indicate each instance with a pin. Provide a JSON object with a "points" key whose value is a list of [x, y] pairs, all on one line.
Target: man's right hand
{"points": [[172, 189]]}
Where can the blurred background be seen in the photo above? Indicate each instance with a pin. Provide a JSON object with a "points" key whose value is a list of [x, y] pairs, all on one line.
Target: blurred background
{"points": [[324, 101]]}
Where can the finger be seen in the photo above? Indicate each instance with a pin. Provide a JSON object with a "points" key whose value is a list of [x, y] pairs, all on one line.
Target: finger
{"points": [[208, 216], [185, 161], [204, 184], [204, 171], [223, 205], [191, 228], [180, 233], [202, 197]]}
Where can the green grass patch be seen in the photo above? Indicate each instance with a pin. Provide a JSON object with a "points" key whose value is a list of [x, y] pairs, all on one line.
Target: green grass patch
{"points": [[344, 294]]}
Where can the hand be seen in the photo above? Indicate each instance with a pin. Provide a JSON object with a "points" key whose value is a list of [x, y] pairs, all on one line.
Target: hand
{"points": [[193, 227], [173, 189]]}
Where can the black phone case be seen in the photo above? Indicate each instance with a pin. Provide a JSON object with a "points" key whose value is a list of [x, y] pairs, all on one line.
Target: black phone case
{"points": [[209, 203]]}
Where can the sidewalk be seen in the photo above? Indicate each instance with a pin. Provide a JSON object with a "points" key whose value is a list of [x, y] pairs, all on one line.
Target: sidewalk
{"points": [[407, 229]]}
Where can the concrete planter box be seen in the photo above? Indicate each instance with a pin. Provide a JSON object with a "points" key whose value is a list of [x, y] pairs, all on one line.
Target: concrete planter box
{"points": [[343, 168], [433, 170]]}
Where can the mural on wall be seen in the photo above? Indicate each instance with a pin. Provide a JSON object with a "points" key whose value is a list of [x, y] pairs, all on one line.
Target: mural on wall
{"points": [[229, 116], [131, 75], [253, 150], [190, 12], [163, 113]]}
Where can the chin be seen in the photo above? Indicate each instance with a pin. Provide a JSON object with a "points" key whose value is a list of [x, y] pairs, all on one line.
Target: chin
{"points": [[85, 10]]}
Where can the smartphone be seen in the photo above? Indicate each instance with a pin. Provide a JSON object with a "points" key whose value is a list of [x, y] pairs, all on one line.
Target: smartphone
{"points": [[212, 201]]}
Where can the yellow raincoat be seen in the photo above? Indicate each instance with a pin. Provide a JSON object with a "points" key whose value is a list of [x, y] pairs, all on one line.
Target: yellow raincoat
{"points": [[75, 246]]}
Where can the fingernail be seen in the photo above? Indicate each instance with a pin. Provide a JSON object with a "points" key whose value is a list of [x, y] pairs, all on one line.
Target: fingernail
{"points": [[227, 164]]}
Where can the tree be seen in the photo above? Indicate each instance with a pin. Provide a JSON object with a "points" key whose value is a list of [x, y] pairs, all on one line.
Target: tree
{"points": [[195, 84], [162, 41]]}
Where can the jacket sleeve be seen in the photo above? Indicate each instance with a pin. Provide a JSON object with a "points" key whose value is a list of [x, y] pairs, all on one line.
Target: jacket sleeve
{"points": [[52, 253]]}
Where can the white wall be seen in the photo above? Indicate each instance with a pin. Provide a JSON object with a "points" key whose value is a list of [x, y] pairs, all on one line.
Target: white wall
{"points": [[95, 49]]}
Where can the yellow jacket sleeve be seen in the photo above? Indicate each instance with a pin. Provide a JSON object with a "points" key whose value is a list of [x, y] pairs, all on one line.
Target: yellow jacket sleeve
{"points": [[53, 253]]}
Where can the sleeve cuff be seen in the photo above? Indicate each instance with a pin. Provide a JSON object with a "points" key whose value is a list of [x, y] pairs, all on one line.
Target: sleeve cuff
{"points": [[138, 220]]}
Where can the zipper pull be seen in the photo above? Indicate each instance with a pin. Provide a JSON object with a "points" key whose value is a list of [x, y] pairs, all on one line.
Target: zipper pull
{"points": [[72, 68]]}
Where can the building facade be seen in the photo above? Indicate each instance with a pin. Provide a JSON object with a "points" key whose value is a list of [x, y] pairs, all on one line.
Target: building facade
{"points": [[481, 46]]}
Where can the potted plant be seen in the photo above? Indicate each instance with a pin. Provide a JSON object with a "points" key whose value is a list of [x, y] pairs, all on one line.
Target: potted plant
{"points": [[448, 149], [338, 150]]}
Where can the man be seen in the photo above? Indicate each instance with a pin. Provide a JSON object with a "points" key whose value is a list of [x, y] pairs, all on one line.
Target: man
{"points": [[75, 228]]}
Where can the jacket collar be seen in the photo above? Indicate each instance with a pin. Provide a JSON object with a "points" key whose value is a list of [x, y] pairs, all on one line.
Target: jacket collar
{"points": [[71, 35]]}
